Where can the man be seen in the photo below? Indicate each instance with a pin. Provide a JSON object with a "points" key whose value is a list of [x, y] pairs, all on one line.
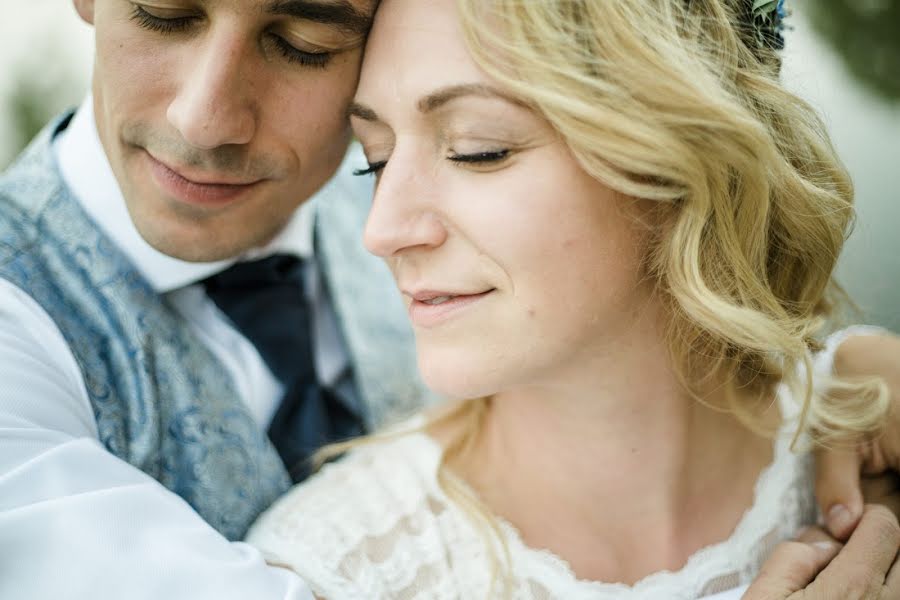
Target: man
{"points": [[154, 275], [128, 357]]}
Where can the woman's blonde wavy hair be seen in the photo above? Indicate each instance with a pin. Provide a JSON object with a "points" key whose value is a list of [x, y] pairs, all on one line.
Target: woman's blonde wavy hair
{"points": [[673, 101]]}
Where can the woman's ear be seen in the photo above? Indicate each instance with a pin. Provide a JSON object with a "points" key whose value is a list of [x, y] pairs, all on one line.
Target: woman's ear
{"points": [[85, 9]]}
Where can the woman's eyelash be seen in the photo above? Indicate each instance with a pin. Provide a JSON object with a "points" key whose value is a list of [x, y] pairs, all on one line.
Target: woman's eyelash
{"points": [[372, 169], [153, 23], [476, 157], [480, 157]]}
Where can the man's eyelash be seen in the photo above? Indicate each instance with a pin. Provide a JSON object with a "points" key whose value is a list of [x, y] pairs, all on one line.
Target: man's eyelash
{"points": [[177, 24], [153, 23], [307, 59], [372, 169]]}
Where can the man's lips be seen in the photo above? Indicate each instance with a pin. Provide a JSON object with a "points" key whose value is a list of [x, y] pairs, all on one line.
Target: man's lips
{"points": [[198, 188], [200, 178]]}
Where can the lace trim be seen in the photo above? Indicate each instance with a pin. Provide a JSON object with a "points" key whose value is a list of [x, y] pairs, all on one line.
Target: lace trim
{"points": [[384, 548], [779, 509], [391, 531]]}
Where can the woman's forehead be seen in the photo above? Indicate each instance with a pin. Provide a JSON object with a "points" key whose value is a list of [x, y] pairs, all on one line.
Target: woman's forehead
{"points": [[415, 46]]}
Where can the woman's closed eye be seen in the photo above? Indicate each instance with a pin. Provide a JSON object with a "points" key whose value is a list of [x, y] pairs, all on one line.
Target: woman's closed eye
{"points": [[483, 159], [474, 160], [371, 168]]}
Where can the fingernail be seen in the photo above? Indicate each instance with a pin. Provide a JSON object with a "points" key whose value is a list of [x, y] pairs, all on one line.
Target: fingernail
{"points": [[839, 519], [825, 545]]}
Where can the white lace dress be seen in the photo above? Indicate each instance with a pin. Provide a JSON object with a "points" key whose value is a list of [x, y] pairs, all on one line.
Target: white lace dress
{"points": [[376, 524]]}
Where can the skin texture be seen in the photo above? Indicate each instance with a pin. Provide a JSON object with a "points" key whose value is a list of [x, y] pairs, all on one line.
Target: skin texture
{"points": [[216, 92]]}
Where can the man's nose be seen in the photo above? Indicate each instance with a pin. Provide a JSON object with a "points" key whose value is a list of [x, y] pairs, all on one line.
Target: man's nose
{"points": [[404, 212], [216, 103]]}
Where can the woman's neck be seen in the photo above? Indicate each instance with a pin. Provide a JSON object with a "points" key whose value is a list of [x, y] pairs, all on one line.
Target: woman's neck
{"points": [[614, 468]]}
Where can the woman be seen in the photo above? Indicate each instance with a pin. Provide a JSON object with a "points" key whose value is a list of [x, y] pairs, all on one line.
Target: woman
{"points": [[615, 232]]}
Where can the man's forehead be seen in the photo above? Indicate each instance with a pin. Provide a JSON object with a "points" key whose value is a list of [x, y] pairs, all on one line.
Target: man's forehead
{"points": [[362, 6], [353, 15]]}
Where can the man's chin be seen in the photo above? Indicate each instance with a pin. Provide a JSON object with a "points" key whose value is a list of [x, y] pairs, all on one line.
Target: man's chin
{"points": [[196, 252], [198, 234], [193, 243]]}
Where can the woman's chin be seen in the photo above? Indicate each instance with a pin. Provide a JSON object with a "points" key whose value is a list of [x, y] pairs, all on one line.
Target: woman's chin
{"points": [[456, 379]]}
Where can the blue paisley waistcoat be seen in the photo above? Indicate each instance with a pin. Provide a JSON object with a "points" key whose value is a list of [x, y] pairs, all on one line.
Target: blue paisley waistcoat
{"points": [[161, 400]]}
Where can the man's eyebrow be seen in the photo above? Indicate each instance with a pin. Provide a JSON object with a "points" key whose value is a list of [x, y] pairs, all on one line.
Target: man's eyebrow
{"points": [[338, 13], [436, 99]]}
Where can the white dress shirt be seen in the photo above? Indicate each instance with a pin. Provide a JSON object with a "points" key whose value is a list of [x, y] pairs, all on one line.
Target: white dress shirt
{"points": [[76, 521]]}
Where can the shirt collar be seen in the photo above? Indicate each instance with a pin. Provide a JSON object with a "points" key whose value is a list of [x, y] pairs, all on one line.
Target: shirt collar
{"points": [[86, 170]]}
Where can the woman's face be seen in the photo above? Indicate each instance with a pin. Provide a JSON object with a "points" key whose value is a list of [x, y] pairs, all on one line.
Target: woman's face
{"points": [[515, 264]]}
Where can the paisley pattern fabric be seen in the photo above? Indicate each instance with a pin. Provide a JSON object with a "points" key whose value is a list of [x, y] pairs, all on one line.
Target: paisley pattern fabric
{"points": [[161, 400]]}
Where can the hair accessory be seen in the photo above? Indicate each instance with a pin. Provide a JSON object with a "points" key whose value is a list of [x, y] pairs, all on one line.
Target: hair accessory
{"points": [[768, 23]]}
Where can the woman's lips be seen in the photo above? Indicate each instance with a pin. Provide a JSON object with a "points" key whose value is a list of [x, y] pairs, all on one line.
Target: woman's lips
{"points": [[428, 309]]}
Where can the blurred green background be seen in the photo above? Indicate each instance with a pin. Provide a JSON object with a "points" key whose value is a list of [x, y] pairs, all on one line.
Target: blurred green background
{"points": [[841, 55]]}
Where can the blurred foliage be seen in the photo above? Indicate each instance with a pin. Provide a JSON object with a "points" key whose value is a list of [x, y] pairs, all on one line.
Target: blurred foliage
{"points": [[34, 100], [29, 109], [866, 34]]}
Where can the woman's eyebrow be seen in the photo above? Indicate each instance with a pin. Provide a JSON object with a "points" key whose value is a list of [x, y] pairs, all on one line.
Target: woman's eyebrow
{"points": [[439, 98], [361, 111], [337, 13]]}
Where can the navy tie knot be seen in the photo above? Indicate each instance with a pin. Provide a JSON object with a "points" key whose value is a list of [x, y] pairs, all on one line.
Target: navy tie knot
{"points": [[266, 301]]}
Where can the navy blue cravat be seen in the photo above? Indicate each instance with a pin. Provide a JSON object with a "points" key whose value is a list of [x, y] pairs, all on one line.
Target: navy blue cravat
{"points": [[265, 301]]}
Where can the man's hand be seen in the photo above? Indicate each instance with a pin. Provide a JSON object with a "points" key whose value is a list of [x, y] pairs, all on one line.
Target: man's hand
{"points": [[847, 478], [818, 568]]}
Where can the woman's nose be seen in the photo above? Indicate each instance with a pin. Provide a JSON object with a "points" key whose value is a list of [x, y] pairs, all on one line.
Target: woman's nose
{"points": [[404, 212]]}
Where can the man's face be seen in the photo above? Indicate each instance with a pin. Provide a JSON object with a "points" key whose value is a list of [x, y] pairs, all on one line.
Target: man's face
{"points": [[219, 117]]}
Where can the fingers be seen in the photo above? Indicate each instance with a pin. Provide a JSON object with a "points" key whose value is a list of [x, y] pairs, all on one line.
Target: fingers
{"points": [[892, 582], [861, 567], [792, 566], [874, 543], [883, 490], [838, 490], [815, 534], [864, 567]]}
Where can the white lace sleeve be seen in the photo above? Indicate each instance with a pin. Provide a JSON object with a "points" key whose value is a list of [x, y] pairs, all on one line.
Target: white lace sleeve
{"points": [[377, 526], [364, 527], [308, 532]]}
